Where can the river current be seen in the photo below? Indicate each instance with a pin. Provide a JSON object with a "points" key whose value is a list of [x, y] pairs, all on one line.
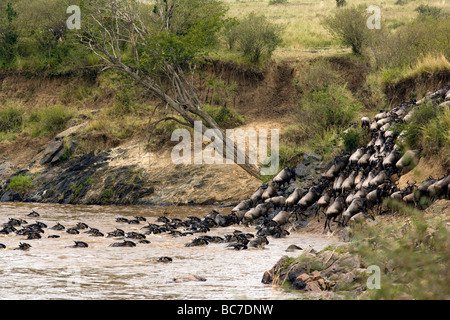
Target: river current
{"points": [[50, 269]]}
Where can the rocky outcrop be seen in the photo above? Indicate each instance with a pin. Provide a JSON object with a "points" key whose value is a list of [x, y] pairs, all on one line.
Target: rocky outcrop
{"points": [[126, 174], [327, 270]]}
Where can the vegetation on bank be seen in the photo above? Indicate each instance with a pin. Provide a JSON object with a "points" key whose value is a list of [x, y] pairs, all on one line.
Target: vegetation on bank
{"points": [[412, 43], [412, 250]]}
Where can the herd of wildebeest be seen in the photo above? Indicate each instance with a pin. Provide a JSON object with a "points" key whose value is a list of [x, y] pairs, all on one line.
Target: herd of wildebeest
{"points": [[352, 187]]}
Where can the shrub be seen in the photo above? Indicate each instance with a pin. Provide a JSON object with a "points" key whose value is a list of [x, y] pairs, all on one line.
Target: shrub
{"points": [[351, 139], [224, 116], [20, 183], [340, 3], [426, 10], [11, 117], [349, 25], [257, 37], [410, 43], [331, 107], [272, 2], [419, 120], [429, 129], [413, 255], [49, 120], [316, 76], [230, 32]]}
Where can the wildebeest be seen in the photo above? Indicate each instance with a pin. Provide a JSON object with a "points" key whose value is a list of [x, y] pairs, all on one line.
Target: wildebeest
{"points": [[322, 203], [357, 205], [365, 122], [294, 197], [282, 217], [334, 210], [408, 160], [284, 176]]}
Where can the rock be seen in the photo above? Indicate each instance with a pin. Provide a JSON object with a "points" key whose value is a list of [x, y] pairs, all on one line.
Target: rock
{"points": [[6, 169], [276, 269], [300, 282], [52, 149], [71, 131], [293, 248], [6, 196], [301, 171], [315, 275], [313, 286], [311, 157], [16, 197], [69, 149]]}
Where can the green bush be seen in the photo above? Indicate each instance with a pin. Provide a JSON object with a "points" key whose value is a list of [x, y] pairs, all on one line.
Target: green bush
{"points": [[48, 120], [408, 44], [429, 129], [419, 120], [231, 32], [11, 117], [426, 10], [340, 3], [257, 37], [272, 2], [316, 76], [20, 183], [349, 25], [224, 116], [351, 139], [332, 107]]}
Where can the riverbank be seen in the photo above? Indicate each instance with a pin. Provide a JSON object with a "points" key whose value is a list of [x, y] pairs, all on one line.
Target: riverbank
{"points": [[400, 255]]}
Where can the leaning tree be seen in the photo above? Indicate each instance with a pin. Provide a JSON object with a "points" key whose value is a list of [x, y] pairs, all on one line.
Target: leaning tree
{"points": [[159, 44]]}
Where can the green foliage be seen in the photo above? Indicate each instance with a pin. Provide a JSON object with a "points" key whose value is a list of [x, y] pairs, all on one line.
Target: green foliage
{"points": [[231, 32], [225, 117], [194, 31], [351, 139], [272, 2], [8, 32], [426, 10], [11, 117], [429, 129], [48, 120], [257, 37], [289, 156], [316, 76], [340, 3], [412, 254], [20, 183], [349, 26], [394, 51], [331, 107]]}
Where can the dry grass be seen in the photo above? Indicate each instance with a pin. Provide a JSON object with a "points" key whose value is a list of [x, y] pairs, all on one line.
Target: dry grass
{"points": [[304, 35]]}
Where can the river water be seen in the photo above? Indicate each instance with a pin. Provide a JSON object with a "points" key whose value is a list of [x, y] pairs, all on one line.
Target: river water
{"points": [[52, 270]]}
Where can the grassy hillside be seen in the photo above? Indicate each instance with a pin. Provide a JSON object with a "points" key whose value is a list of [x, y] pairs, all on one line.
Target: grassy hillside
{"points": [[311, 85]]}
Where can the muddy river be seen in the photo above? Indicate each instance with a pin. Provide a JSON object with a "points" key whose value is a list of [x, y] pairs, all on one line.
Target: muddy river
{"points": [[50, 269]]}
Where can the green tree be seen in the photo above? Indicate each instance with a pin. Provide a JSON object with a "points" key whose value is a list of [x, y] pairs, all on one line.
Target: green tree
{"points": [[349, 25], [8, 32], [257, 37], [158, 45]]}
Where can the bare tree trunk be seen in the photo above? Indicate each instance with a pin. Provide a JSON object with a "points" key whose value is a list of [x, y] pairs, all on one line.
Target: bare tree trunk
{"points": [[114, 23]]}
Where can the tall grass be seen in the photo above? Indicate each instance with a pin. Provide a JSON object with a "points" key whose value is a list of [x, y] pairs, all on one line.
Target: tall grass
{"points": [[11, 116], [48, 120]]}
